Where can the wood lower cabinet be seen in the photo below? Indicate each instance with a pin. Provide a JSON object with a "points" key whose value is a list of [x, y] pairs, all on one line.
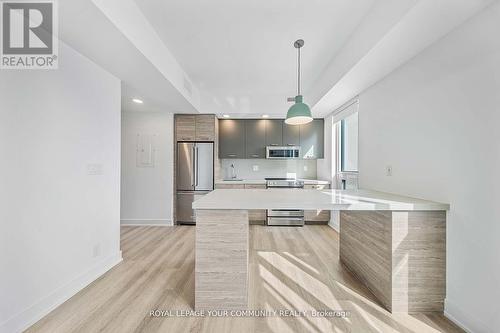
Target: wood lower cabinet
{"points": [[257, 215], [255, 186], [254, 215], [317, 215], [229, 186], [317, 187]]}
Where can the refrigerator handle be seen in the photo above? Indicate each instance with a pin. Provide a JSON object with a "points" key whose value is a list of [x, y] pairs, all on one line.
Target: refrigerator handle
{"points": [[196, 166]]}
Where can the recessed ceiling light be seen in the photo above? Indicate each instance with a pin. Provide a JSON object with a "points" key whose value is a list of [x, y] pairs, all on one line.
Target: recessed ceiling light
{"points": [[225, 115], [138, 101], [265, 116]]}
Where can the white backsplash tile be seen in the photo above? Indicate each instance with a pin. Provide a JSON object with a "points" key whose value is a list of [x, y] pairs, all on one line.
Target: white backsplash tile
{"points": [[269, 168]]}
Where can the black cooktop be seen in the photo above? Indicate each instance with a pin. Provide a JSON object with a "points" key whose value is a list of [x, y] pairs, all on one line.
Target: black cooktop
{"points": [[279, 178]]}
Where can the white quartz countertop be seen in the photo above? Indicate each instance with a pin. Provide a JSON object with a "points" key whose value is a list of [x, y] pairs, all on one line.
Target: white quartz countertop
{"points": [[263, 181], [312, 199]]}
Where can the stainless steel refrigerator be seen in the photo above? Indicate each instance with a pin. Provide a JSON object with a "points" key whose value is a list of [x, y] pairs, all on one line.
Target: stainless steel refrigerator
{"points": [[195, 176]]}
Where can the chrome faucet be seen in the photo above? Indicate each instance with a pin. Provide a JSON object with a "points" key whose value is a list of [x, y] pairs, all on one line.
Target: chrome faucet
{"points": [[233, 171]]}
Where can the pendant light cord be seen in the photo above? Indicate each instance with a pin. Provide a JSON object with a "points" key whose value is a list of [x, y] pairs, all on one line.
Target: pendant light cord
{"points": [[298, 73]]}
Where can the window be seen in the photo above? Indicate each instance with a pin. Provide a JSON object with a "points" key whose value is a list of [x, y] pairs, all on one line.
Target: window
{"points": [[344, 167], [348, 143]]}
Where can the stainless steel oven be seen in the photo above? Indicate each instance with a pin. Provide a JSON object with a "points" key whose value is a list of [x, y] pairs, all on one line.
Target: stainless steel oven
{"points": [[282, 153], [284, 217]]}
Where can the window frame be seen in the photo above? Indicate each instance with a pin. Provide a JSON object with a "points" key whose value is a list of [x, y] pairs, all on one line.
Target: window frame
{"points": [[341, 145]]}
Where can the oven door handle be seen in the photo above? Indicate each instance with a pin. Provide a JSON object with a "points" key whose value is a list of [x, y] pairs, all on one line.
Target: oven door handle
{"points": [[285, 213]]}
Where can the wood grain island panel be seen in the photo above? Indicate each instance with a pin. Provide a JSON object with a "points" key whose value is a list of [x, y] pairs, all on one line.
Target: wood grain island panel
{"points": [[399, 256], [221, 265]]}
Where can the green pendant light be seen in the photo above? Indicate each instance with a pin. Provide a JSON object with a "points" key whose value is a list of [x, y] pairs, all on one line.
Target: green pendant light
{"points": [[299, 113]]}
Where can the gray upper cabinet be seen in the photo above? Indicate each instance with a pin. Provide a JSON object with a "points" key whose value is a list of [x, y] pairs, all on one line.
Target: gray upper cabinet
{"points": [[232, 138], [274, 132], [311, 139], [248, 138], [291, 135], [255, 137]]}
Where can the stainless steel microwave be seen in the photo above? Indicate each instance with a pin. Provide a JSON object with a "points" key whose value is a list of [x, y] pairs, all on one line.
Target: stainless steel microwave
{"points": [[287, 152]]}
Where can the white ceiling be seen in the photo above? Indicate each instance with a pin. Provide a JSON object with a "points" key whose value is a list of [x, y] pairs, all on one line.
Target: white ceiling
{"points": [[107, 46], [241, 54], [237, 58], [419, 25]]}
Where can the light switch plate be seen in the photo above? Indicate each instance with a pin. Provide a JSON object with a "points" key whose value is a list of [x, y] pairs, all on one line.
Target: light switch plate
{"points": [[94, 169], [255, 168], [305, 167]]}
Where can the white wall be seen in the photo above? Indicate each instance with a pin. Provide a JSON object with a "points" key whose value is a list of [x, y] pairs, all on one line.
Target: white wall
{"points": [[325, 165], [59, 225], [436, 122], [147, 192]]}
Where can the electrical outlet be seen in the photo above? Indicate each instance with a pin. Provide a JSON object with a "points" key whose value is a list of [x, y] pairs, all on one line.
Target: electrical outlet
{"points": [[388, 171], [255, 168], [305, 167]]}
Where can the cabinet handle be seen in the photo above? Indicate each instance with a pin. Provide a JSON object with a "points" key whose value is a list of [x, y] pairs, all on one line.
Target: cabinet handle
{"points": [[273, 144], [291, 144], [255, 155], [231, 155]]}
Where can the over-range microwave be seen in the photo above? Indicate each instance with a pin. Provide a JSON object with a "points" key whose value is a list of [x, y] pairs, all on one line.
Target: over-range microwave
{"points": [[286, 152]]}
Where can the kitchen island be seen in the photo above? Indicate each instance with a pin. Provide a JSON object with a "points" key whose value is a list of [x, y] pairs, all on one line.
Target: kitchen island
{"points": [[395, 245]]}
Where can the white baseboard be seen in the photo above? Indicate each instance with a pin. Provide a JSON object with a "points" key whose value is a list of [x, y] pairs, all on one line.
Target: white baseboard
{"points": [[147, 222], [462, 319], [40, 309]]}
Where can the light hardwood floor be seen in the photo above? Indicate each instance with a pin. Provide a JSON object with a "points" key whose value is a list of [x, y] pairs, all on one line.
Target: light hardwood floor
{"points": [[290, 268]]}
